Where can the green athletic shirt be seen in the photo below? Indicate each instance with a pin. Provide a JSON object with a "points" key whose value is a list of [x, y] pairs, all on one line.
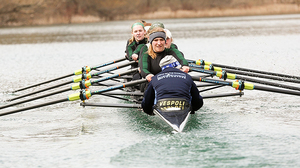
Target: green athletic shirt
{"points": [[151, 66], [130, 48]]}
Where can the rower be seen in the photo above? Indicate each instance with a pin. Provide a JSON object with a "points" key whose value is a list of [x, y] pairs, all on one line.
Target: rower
{"points": [[149, 61], [138, 38], [171, 83]]}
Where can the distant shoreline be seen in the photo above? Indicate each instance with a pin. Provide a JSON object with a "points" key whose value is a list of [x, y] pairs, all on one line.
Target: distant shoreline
{"points": [[216, 12], [162, 13]]}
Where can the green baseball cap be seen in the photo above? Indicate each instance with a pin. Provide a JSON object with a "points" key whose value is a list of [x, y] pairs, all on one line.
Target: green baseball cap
{"points": [[156, 24]]}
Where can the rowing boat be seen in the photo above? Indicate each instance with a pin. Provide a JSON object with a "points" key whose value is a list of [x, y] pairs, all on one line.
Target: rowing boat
{"points": [[174, 113]]}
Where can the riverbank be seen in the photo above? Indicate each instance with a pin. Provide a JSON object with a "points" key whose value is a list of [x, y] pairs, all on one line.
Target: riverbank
{"points": [[28, 15], [275, 9]]}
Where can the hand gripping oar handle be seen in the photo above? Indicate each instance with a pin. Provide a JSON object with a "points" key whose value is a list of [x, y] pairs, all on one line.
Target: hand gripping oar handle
{"points": [[77, 72]]}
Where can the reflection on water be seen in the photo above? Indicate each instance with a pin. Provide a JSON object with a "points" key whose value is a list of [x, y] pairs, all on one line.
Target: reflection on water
{"points": [[182, 28]]}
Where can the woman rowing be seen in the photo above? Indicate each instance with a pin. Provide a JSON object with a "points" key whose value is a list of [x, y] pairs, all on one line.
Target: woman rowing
{"points": [[138, 37], [144, 47], [149, 61]]}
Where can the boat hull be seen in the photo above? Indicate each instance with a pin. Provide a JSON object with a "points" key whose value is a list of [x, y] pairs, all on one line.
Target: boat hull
{"points": [[177, 122], [174, 112]]}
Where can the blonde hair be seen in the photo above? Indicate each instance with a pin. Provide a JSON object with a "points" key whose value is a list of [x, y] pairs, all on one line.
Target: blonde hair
{"points": [[139, 21], [150, 49]]}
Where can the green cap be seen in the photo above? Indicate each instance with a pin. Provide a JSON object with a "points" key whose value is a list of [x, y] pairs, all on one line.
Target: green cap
{"points": [[156, 24]]}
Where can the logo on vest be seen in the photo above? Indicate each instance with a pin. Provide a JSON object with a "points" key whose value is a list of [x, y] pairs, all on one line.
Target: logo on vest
{"points": [[168, 105], [171, 75]]}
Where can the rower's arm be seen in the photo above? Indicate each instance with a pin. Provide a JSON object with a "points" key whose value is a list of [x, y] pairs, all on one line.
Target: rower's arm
{"points": [[148, 100], [197, 100]]}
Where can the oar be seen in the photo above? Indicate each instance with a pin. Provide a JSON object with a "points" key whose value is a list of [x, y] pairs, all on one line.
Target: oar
{"points": [[202, 62], [205, 85], [240, 85], [111, 105], [124, 93], [77, 72], [223, 95], [121, 98], [75, 80], [224, 75], [81, 85], [219, 69], [215, 87], [139, 105], [82, 95]]}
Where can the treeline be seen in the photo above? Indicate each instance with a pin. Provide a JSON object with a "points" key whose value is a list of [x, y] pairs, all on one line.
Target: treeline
{"points": [[39, 12]]}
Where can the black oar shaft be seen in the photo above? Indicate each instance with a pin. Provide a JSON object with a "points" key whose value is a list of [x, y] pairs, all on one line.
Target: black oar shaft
{"points": [[257, 71], [139, 105], [233, 76], [268, 83], [79, 78], [247, 86], [223, 95], [276, 90], [68, 75], [111, 105], [109, 63], [48, 81], [114, 68], [35, 98], [124, 93], [115, 75], [215, 87], [132, 83], [121, 98], [33, 107], [39, 91], [246, 73], [205, 85], [249, 70], [263, 76]]}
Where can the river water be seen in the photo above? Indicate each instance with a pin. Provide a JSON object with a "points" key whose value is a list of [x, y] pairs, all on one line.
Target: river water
{"points": [[259, 129]]}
